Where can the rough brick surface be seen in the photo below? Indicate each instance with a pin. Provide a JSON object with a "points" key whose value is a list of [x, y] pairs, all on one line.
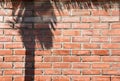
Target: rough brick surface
{"points": [[60, 40]]}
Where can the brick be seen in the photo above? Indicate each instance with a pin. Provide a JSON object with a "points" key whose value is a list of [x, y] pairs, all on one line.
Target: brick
{"points": [[52, 72], [6, 12], [115, 39], [42, 78], [100, 52], [71, 46], [111, 72], [115, 25], [71, 32], [110, 46], [70, 19], [80, 52], [100, 26], [43, 65], [113, 32], [90, 59], [5, 78], [5, 38], [13, 59], [1, 58], [13, 72], [61, 78], [5, 65], [41, 52], [111, 59], [91, 72], [61, 39], [90, 19], [80, 25], [61, 52], [5, 25], [115, 78], [5, 52], [91, 46], [109, 19], [71, 59], [80, 39], [115, 65], [77, 12], [90, 32], [13, 45], [12, 32], [101, 65], [61, 65], [52, 59], [100, 78], [80, 78], [71, 72], [116, 52], [19, 65], [99, 39], [81, 65], [100, 13]]}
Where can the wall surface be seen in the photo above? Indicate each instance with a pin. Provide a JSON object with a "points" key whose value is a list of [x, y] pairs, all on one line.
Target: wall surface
{"points": [[43, 40]]}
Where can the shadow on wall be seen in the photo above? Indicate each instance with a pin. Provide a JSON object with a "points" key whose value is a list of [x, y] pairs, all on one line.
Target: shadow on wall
{"points": [[36, 23]]}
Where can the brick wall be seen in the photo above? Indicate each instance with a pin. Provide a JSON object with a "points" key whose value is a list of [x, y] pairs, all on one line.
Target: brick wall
{"points": [[43, 40]]}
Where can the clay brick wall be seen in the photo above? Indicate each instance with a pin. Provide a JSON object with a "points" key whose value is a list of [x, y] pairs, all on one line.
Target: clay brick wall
{"points": [[60, 40]]}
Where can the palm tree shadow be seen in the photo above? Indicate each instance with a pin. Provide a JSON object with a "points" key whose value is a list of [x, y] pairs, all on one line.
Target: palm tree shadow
{"points": [[40, 31]]}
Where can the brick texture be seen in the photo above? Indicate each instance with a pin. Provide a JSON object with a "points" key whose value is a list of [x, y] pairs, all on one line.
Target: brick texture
{"points": [[60, 40]]}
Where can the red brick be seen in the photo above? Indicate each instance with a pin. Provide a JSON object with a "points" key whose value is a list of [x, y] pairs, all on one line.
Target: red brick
{"points": [[91, 46], [77, 12], [5, 25], [5, 38], [19, 65], [32, 58], [80, 52], [5, 78], [61, 78], [42, 78], [52, 72], [41, 52], [80, 78], [13, 72], [61, 39], [22, 78], [61, 52], [81, 25], [115, 78], [52, 59], [71, 59], [80, 39], [115, 39], [113, 32], [90, 19], [100, 25], [43, 65], [61, 65], [100, 52], [12, 32], [111, 72], [81, 65], [13, 59], [71, 72], [90, 58], [99, 39], [91, 72], [5, 52], [115, 25], [71, 32], [100, 13], [111, 59], [111, 46], [101, 65], [14, 45], [90, 32], [100, 78], [70, 19], [115, 65], [109, 19], [1, 58], [71, 46]]}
